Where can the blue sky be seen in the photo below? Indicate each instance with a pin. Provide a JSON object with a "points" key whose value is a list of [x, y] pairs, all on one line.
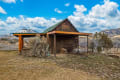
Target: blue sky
{"points": [[86, 15], [44, 8]]}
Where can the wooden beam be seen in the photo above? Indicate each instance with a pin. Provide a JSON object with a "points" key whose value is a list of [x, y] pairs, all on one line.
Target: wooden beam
{"points": [[69, 33], [24, 34], [28, 34], [55, 45]]}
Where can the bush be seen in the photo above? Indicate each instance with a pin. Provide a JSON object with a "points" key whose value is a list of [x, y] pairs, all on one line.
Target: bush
{"points": [[99, 49], [39, 47], [4, 39]]}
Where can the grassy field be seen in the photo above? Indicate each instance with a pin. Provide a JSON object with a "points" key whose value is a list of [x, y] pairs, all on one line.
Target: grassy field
{"points": [[64, 67]]}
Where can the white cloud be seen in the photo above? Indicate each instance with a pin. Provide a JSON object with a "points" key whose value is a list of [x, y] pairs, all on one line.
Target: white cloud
{"points": [[2, 10], [106, 1], [9, 1], [108, 9], [100, 17], [2, 23], [11, 20], [79, 10], [21, 0], [14, 24], [67, 4], [57, 10]]}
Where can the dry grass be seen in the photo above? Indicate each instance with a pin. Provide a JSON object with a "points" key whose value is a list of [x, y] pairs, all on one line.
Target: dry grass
{"points": [[104, 66], [16, 67], [64, 67]]}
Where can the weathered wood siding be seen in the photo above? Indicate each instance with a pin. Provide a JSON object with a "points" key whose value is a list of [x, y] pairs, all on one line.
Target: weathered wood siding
{"points": [[66, 26], [68, 42]]}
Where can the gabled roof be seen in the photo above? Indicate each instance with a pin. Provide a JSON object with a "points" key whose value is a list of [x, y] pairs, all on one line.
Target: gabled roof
{"points": [[54, 26]]}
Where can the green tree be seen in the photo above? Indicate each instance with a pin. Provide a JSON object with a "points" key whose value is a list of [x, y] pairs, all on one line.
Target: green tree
{"points": [[103, 41]]}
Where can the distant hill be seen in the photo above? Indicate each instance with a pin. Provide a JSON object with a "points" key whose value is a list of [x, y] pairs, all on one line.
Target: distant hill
{"points": [[112, 32]]}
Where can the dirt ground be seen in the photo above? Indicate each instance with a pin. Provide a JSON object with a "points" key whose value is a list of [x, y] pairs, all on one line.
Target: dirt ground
{"points": [[64, 67], [16, 67]]}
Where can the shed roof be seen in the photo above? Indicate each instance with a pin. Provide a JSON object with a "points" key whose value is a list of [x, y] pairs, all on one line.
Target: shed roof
{"points": [[57, 24], [52, 27]]}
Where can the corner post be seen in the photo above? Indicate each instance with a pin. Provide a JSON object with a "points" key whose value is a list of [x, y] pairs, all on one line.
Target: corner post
{"points": [[48, 41], [20, 43], [55, 45]]}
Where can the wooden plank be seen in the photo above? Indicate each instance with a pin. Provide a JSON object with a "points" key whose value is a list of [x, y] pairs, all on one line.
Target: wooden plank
{"points": [[57, 32], [20, 43], [48, 40], [23, 34], [53, 32], [74, 33], [69, 33], [78, 45], [26, 34], [55, 45], [66, 25], [87, 44]]}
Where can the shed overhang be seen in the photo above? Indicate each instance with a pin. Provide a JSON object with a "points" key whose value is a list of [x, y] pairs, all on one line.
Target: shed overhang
{"points": [[27, 34], [70, 33]]}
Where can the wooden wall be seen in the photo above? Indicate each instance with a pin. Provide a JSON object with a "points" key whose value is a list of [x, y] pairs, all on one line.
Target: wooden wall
{"points": [[66, 26], [68, 42]]}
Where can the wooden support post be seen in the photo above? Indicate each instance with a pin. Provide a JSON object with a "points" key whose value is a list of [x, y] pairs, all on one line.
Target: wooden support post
{"points": [[55, 45], [87, 44], [78, 45], [48, 40], [20, 43]]}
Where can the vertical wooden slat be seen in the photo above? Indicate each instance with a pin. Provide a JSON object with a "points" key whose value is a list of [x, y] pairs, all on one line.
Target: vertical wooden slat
{"points": [[48, 40], [22, 43], [55, 45], [87, 44], [78, 45]]}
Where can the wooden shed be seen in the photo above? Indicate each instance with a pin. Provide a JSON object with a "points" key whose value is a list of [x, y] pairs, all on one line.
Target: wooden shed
{"points": [[61, 35]]}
